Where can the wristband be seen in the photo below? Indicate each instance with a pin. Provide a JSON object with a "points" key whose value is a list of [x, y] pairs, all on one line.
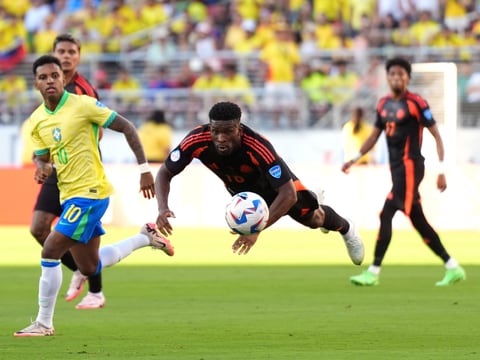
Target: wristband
{"points": [[441, 167], [357, 157], [144, 168]]}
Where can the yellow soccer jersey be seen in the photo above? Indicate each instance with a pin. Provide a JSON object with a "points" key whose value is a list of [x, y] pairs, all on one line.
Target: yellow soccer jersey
{"points": [[70, 135]]}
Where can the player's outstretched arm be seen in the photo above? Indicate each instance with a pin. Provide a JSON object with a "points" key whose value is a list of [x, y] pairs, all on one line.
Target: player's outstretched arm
{"points": [[365, 148], [162, 189], [125, 126]]}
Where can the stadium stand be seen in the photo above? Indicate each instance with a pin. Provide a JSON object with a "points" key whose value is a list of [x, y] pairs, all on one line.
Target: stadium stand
{"points": [[183, 37]]}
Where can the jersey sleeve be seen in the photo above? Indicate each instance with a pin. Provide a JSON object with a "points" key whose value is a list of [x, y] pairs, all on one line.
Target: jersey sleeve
{"points": [[185, 151], [99, 113], [426, 116]]}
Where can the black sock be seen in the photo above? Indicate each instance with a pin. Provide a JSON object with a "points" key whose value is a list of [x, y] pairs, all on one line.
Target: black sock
{"points": [[333, 221], [95, 283], [67, 260]]}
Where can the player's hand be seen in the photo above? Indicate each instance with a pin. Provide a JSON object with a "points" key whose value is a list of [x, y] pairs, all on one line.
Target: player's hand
{"points": [[147, 185], [346, 167], [163, 224], [43, 172], [244, 243], [441, 182]]}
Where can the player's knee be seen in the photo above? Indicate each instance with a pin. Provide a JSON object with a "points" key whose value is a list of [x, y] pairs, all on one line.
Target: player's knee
{"points": [[39, 232], [88, 269]]}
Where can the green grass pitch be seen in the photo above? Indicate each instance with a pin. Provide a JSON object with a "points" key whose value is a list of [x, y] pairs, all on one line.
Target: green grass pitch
{"points": [[288, 299]]}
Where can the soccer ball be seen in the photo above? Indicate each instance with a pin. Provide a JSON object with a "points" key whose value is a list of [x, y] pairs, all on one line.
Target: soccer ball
{"points": [[246, 213]]}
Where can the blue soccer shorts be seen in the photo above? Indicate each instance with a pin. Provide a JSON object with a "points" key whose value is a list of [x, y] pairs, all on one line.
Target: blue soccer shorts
{"points": [[81, 218]]}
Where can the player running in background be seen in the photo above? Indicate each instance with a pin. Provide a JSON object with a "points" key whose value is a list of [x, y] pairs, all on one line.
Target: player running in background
{"points": [[246, 161], [64, 130], [403, 115], [47, 208]]}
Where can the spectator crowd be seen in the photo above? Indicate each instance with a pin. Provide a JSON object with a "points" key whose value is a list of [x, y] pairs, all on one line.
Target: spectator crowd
{"points": [[326, 48]]}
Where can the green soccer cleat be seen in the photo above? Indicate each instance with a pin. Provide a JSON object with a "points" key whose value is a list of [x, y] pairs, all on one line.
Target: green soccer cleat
{"points": [[366, 278], [452, 276]]}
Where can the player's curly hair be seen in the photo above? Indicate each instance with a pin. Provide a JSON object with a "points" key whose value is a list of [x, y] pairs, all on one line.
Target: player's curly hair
{"points": [[43, 60], [398, 61], [224, 111]]}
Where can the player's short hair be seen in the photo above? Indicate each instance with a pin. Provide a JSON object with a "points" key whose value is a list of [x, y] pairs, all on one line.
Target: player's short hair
{"points": [[224, 111], [43, 60], [66, 37], [398, 61]]}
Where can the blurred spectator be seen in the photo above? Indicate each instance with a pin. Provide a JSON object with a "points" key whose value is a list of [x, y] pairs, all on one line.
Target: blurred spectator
{"points": [[455, 15], [448, 41], [250, 42], [344, 82], [316, 85], [161, 49], [126, 88], [362, 11], [207, 80], [34, 19], [403, 35], [156, 137], [354, 133], [464, 71], [43, 38], [473, 88], [159, 79], [236, 86], [61, 16], [331, 9], [13, 97], [234, 32], [423, 29], [153, 13], [204, 42], [100, 79], [281, 58], [309, 46]]}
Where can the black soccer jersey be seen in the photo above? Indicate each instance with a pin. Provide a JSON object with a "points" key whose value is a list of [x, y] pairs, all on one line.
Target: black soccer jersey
{"points": [[403, 121], [255, 166], [80, 86]]}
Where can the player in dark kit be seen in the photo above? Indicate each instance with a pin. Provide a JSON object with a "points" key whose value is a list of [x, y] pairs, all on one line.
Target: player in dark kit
{"points": [[67, 49], [246, 161], [403, 116]]}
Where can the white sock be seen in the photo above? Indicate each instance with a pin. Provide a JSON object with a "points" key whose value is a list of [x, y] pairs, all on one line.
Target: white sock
{"points": [[374, 269], [114, 253], [451, 263], [48, 288]]}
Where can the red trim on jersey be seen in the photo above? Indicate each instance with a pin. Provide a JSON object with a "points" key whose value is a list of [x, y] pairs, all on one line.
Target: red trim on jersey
{"points": [[193, 139], [83, 87], [260, 148], [417, 99], [299, 186], [381, 102]]}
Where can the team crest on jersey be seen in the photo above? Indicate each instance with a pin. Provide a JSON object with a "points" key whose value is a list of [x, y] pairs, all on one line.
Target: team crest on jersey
{"points": [[428, 114], [57, 135], [100, 104], [275, 171], [175, 155]]}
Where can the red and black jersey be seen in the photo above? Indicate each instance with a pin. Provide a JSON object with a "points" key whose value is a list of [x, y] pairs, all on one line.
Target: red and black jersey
{"points": [[255, 166], [403, 121], [80, 86]]}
